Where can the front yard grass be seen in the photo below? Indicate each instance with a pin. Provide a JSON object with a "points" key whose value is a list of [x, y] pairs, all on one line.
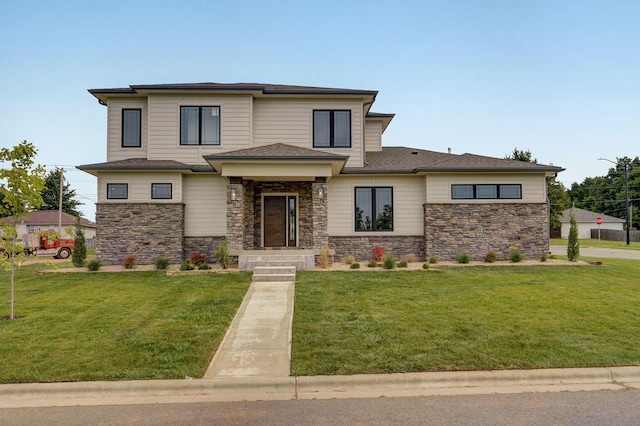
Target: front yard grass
{"points": [[114, 326], [471, 318]]}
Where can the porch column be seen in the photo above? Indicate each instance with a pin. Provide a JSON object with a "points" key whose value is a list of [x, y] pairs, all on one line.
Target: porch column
{"points": [[319, 193], [235, 214]]}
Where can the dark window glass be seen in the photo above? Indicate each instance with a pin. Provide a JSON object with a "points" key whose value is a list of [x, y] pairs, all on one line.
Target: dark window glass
{"points": [[461, 191], [511, 191], [131, 128], [486, 192], [374, 209], [117, 191], [161, 191], [331, 129], [199, 125]]}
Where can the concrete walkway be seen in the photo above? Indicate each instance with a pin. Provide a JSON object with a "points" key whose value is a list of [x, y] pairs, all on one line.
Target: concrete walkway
{"points": [[258, 342]]}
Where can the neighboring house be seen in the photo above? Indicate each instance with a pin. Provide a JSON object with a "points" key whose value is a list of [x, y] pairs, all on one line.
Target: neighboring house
{"points": [[44, 220], [291, 167], [586, 221]]}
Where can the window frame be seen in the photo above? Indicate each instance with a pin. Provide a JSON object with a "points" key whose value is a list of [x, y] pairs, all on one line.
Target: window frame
{"points": [[331, 130], [374, 212], [113, 184], [123, 127], [170, 197], [499, 191], [200, 108]]}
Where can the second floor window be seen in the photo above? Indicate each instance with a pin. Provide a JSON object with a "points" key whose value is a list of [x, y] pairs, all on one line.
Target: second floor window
{"points": [[200, 125], [332, 129], [131, 128]]}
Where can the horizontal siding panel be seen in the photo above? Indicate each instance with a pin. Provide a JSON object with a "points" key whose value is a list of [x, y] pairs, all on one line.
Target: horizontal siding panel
{"points": [[534, 186], [205, 206], [139, 185], [115, 151]]}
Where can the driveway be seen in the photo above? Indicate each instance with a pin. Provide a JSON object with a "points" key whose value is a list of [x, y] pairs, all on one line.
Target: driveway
{"points": [[600, 252]]}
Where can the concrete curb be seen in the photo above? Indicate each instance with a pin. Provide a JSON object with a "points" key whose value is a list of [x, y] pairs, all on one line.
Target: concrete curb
{"points": [[320, 387]]}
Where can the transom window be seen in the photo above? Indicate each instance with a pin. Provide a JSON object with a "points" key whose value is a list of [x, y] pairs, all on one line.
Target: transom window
{"points": [[199, 125], [486, 192], [331, 129], [131, 128], [117, 191], [161, 191], [374, 208]]}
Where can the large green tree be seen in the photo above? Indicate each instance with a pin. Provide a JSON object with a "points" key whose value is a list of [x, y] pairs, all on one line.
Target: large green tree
{"points": [[556, 192], [21, 181], [51, 194]]}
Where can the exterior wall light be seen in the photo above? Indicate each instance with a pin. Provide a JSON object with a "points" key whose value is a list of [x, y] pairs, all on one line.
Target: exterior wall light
{"points": [[233, 194], [321, 192]]}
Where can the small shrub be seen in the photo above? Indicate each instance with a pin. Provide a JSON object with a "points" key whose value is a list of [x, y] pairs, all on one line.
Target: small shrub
{"points": [[490, 257], [197, 258], [411, 258], [94, 264], [187, 266], [433, 259], [544, 257], [323, 258], [425, 266], [515, 256], [402, 264], [221, 254], [79, 253], [354, 265], [573, 246], [129, 261], [372, 264], [203, 266], [389, 262], [463, 258], [348, 260], [378, 253], [161, 263]]}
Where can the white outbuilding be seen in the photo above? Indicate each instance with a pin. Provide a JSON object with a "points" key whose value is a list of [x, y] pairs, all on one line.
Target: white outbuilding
{"points": [[587, 220]]}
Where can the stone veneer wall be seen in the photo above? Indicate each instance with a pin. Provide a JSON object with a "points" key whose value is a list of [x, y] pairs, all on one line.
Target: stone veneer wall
{"points": [[475, 229], [319, 221], [205, 245], [146, 230], [361, 247]]}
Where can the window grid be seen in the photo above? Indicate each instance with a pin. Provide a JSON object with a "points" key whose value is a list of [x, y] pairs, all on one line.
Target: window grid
{"points": [[199, 125], [332, 128], [486, 191], [373, 209]]}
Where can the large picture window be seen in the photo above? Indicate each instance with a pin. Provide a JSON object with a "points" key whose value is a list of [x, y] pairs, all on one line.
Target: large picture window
{"points": [[486, 192], [131, 128], [200, 125], [374, 208], [117, 191], [331, 129]]}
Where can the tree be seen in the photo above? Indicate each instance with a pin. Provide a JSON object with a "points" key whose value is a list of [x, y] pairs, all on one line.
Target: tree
{"points": [[51, 194], [79, 254], [573, 246], [20, 186], [521, 155]]}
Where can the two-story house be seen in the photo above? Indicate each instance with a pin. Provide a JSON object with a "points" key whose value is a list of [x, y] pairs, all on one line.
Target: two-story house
{"points": [[301, 168]]}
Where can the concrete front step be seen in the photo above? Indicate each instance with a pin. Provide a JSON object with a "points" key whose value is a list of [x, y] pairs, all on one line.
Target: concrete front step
{"points": [[248, 262], [274, 273], [270, 278]]}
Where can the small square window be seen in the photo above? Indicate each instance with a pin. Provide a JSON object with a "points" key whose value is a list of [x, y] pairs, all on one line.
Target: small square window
{"points": [[117, 191], [161, 191]]}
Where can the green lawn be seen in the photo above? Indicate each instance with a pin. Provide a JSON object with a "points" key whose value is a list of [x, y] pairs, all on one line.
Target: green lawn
{"points": [[113, 326], [593, 242], [471, 318]]}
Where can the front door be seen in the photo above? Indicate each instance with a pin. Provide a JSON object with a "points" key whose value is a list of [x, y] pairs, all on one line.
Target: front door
{"points": [[280, 221]]}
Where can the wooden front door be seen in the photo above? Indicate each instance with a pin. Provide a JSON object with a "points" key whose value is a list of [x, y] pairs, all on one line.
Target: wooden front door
{"points": [[280, 217]]}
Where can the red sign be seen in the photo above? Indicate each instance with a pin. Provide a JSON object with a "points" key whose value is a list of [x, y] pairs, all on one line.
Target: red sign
{"points": [[598, 221]]}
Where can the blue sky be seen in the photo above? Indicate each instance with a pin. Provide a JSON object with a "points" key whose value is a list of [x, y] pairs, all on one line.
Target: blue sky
{"points": [[559, 78]]}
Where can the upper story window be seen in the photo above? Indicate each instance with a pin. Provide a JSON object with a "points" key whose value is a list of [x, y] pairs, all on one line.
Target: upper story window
{"points": [[161, 191], [331, 128], [200, 125], [131, 128], [486, 192], [117, 191], [374, 209]]}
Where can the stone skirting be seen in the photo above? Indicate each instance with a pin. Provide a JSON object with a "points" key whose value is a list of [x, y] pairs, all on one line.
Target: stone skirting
{"points": [[205, 245], [146, 230], [361, 247], [475, 229]]}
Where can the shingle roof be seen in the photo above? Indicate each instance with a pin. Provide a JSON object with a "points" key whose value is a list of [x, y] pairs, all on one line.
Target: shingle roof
{"points": [[144, 164], [277, 151], [582, 215], [400, 160], [50, 217]]}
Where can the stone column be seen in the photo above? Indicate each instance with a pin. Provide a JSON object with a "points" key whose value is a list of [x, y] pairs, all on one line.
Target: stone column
{"points": [[319, 202], [235, 214]]}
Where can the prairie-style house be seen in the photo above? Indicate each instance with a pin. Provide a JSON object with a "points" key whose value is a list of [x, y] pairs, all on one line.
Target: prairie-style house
{"points": [[267, 167]]}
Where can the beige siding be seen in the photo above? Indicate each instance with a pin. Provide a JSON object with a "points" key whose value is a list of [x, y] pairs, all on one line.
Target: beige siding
{"points": [[139, 185], [164, 126], [534, 186], [269, 171], [115, 151], [373, 136], [291, 122], [408, 198], [205, 206]]}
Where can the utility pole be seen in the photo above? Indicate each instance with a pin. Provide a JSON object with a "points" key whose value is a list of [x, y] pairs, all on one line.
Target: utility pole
{"points": [[626, 196], [60, 202]]}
